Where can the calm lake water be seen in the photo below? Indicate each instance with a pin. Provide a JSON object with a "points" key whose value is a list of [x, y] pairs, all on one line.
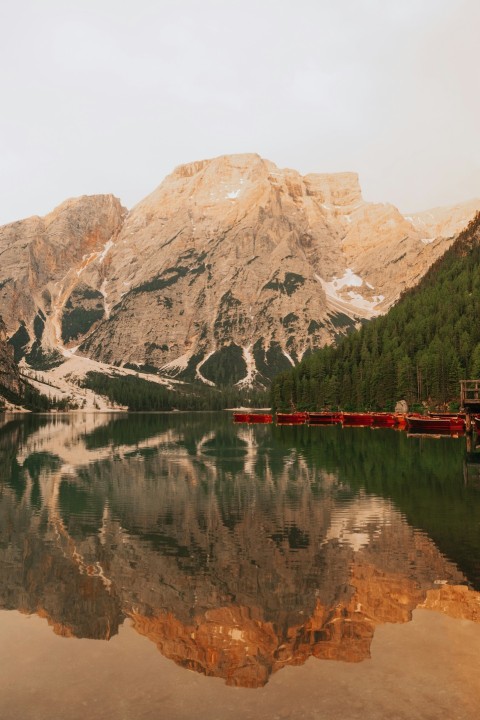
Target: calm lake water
{"points": [[180, 566]]}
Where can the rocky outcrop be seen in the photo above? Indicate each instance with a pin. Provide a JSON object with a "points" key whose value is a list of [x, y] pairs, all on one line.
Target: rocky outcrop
{"points": [[444, 221], [230, 271], [9, 377], [42, 258]]}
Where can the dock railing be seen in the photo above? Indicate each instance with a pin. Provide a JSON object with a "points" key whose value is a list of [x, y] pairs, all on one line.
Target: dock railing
{"points": [[469, 392]]}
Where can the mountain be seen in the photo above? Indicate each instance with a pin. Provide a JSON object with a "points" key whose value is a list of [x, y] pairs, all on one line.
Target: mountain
{"points": [[41, 257], [230, 271], [418, 351]]}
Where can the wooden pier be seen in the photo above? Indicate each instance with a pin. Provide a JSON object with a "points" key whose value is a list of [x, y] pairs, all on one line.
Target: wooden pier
{"points": [[470, 401]]}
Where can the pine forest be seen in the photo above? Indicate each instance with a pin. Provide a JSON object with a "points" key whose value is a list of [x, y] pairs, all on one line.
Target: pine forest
{"points": [[417, 352]]}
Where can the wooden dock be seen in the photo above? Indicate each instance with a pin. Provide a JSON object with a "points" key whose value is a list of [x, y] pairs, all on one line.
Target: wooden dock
{"points": [[470, 401]]}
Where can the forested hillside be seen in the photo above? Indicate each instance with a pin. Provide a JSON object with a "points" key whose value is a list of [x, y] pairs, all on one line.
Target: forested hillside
{"points": [[418, 351], [141, 395]]}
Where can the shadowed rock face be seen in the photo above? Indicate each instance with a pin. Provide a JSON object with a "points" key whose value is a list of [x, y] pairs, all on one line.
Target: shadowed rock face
{"points": [[229, 272], [9, 377], [233, 563]]}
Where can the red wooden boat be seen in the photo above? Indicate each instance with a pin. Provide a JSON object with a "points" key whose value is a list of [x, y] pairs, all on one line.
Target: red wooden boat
{"points": [[357, 419], [447, 415], [260, 418], [383, 419], [296, 418], [426, 423], [256, 418], [324, 418], [400, 421]]}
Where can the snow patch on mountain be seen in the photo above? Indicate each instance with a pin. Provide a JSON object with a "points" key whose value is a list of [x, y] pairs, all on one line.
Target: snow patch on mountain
{"points": [[233, 194], [199, 375], [289, 357], [103, 290], [350, 302], [179, 364], [252, 372], [65, 380], [349, 279], [106, 248]]}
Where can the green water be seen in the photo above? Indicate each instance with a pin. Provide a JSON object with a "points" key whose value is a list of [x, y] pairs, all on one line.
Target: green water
{"points": [[185, 523]]}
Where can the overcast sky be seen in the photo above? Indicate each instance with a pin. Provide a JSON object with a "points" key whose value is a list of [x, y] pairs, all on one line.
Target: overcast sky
{"points": [[108, 96]]}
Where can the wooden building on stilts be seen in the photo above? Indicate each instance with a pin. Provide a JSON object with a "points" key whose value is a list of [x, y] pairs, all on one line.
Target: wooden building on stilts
{"points": [[470, 403]]}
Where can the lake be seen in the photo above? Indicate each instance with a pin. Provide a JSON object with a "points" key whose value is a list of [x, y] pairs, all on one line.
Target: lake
{"points": [[179, 566]]}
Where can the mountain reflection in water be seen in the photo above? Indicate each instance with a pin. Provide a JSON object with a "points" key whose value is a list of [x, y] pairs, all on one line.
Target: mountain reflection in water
{"points": [[236, 550]]}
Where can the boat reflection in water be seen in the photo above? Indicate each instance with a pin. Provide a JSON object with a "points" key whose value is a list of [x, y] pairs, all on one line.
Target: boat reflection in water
{"points": [[236, 550]]}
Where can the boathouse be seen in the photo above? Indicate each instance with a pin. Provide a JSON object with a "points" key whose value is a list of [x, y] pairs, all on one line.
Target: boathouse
{"points": [[470, 400]]}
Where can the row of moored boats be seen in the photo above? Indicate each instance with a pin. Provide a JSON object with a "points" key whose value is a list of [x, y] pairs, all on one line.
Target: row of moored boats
{"points": [[414, 422]]}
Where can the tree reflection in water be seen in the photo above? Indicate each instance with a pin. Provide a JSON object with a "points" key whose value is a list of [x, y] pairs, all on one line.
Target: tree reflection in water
{"points": [[237, 550]]}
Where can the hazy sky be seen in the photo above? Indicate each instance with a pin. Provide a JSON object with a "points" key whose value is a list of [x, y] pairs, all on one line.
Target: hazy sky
{"points": [[108, 96]]}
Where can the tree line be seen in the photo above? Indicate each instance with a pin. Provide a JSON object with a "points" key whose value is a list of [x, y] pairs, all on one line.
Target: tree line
{"points": [[31, 399], [418, 351], [138, 394]]}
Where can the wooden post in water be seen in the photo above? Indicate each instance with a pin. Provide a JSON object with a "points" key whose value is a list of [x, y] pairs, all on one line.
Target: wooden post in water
{"points": [[470, 401]]}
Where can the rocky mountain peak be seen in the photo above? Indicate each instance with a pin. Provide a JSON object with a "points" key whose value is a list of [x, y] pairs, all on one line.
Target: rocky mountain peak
{"points": [[233, 177], [445, 221], [223, 164], [231, 270], [335, 189]]}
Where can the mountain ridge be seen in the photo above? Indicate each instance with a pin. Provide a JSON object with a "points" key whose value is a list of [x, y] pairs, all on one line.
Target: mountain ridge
{"points": [[228, 272]]}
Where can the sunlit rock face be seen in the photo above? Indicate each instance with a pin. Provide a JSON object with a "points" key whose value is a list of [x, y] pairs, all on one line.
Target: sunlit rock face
{"points": [[43, 258], [443, 221], [234, 564], [234, 262], [229, 271]]}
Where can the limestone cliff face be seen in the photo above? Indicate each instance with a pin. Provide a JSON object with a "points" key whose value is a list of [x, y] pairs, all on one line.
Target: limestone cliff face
{"points": [[234, 263], [219, 267], [9, 377], [444, 221], [230, 270], [42, 257]]}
